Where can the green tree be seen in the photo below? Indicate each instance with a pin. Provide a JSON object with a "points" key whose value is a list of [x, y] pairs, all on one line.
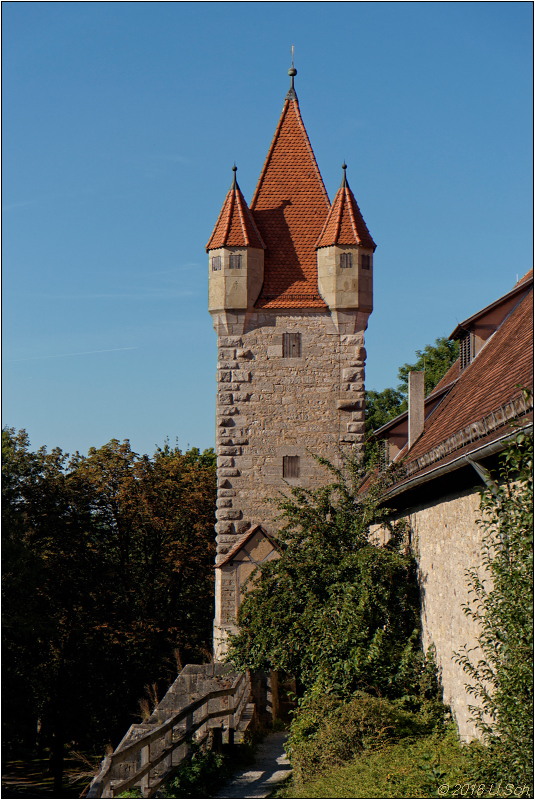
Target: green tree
{"points": [[108, 582], [381, 407], [502, 606], [435, 360], [336, 610]]}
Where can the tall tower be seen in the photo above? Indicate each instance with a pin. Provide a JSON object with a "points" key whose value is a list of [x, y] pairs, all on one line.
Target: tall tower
{"points": [[290, 293]]}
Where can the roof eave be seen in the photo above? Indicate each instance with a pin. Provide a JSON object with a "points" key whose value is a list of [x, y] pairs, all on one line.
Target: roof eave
{"points": [[462, 327]]}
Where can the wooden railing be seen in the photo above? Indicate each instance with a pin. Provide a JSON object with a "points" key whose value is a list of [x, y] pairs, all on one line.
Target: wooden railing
{"points": [[152, 755]]}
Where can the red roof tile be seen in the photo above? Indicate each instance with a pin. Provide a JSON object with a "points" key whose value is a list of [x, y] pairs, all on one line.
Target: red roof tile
{"points": [[490, 381], [345, 225], [242, 541], [527, 276], [235, 226], [450, 377], [290, 206]]}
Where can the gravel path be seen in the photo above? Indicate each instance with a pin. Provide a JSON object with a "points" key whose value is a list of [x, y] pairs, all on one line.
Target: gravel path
{"points": [[270, 767]]}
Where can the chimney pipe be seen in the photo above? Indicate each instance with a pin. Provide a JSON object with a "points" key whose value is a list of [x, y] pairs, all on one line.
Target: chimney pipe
{"points": [[416, 405]]}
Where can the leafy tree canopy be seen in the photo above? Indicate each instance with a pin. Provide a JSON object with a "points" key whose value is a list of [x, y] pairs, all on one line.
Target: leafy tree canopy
{"points": [[107, 585], [337, 610]]}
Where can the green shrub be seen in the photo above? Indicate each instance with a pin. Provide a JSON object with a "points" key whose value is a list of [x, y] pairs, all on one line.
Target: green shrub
{"points": [[326, 732], [411, 768], [335, 609], [198, 777]]}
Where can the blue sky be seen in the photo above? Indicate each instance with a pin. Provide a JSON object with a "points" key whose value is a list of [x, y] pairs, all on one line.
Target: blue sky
{"points": [[121, 122]]}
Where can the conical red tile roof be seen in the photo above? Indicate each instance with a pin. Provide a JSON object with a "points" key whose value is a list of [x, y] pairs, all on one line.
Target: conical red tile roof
{"points": [[235, 226], [345, 225], [290, 206]]}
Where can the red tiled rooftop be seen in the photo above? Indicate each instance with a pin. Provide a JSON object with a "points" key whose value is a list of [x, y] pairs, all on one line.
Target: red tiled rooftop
{"points": [[235, 226], [345, 225], [290, 206], [492, 379], [526, 277], [450, 377]]}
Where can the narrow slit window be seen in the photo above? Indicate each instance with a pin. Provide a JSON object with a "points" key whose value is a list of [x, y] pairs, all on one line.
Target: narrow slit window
{"points": [[291, 345], [465, 350], [235, 261], [345, 261], [365, 261], [216, 263], [290, 467], [384, 452]]}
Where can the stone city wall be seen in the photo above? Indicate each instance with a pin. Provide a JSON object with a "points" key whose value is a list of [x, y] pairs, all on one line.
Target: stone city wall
{"points": [[448, 542]]}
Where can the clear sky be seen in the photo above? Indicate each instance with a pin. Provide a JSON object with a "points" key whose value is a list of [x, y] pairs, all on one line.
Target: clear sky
{"points": [[121, 123]]}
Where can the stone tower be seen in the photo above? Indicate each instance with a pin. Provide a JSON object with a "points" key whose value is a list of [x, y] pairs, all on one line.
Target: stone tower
{"points": [[290, 293]]}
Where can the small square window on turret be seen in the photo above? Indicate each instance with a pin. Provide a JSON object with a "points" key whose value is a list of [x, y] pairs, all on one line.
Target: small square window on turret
{"points": [[235, 261], [365, 261], [216, 263], [345, 261]]}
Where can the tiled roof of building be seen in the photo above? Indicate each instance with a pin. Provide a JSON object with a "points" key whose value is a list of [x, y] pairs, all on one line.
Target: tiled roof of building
{"points": [[450, 377], [345, 225], [290, 206], [242, 541], [487, 384], [525, 278], [235, 226]]}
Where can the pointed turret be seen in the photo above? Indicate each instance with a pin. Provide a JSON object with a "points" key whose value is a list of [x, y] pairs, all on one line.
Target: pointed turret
{"points": [[345, 257], [290, 206], [236, 258], [235, 226], [345, 225]]}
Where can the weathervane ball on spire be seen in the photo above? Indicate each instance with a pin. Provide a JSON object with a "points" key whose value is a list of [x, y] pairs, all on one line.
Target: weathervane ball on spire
{"points": [[234, 183], [292, 72]]}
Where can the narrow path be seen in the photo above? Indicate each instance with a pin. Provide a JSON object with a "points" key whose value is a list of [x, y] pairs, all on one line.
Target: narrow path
{"points": [[270, 767]]}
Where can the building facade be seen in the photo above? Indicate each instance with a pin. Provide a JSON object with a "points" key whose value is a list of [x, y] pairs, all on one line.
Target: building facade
{"points": [[290, 293], [450, 443]]}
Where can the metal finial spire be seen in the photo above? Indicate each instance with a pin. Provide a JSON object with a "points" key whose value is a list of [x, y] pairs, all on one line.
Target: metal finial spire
{"points": [[292, 72], [234, 181], [344, 179]]}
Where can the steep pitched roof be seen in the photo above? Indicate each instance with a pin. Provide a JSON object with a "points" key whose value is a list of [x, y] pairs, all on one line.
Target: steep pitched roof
{"points": [[485, 398], [345, 224], [242, 541], [290, 206], [235, 226]]}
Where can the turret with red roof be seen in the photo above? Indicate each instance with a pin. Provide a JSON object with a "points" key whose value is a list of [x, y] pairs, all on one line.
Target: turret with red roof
{"points": [[290, 293]]}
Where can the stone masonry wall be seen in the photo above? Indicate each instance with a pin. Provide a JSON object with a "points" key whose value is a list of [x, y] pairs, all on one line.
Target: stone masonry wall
{"points": [[268, 407], [448, 542]]}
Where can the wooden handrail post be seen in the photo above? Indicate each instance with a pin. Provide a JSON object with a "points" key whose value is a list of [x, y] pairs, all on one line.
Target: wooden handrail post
{"points": [[167, 742], [172, 740], [189, 726], [145, 780], [217, 741]]}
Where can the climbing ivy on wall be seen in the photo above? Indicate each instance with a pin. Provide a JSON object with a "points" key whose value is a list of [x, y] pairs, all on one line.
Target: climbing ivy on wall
{"points": [[501, 679]]}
